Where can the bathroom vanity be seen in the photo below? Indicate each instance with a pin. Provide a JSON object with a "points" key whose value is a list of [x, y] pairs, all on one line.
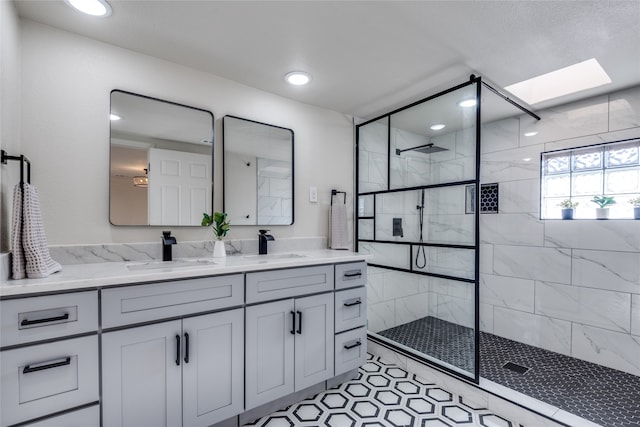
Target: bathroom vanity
{"points": [[189, 343]]}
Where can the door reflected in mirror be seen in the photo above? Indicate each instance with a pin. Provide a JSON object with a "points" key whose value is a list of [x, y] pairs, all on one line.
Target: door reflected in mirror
{"points": [[161, 162], [258, 172]]}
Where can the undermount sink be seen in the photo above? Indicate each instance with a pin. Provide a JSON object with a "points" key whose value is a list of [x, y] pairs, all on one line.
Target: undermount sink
{"points": [[275, 256], [179, 263]]}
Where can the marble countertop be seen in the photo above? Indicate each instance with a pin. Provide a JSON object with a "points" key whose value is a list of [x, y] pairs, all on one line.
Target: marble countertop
{"points": [[91, 276]]}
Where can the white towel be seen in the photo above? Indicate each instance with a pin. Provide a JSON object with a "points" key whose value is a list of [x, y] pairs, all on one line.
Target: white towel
{"points": [[338, 230], [28, 242]]}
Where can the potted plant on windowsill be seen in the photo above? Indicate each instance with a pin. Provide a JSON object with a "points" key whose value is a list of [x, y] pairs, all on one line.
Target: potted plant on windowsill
{"points": [[568, 208], [636, 207], [602, 212], [220, 227]]}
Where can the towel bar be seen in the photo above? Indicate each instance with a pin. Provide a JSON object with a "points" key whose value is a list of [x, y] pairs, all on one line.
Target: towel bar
{"points": [[22, 158], [336, 192]]}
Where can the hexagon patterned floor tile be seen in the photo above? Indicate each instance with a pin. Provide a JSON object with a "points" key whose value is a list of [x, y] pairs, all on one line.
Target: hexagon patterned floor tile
{"points": [[384, 395]]}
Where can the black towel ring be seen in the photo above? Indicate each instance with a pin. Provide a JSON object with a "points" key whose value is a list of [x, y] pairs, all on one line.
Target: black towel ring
{"points": [[336, 192]]}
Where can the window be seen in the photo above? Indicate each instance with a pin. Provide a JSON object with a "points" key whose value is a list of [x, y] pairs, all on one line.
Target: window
{"points": [[611, 169]]}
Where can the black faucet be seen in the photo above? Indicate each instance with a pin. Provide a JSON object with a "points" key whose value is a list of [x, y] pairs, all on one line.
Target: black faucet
{"points": [[167, 241], [263, 238]]}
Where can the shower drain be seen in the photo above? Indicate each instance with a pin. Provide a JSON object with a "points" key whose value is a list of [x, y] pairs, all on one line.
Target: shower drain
{"points": [[515, 367]]}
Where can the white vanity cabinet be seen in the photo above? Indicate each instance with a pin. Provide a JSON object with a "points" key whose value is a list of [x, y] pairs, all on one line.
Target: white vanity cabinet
{"points": [[49, 358], [289, 346], [184, 372]]}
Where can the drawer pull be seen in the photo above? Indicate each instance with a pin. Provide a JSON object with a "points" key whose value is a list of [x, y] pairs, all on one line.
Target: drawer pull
{"points": [[27, 369], [293, 323], [178, 350], [354, 345], [353, 274], [351, 304], [299, 322], [186, 347], [27, 322]]}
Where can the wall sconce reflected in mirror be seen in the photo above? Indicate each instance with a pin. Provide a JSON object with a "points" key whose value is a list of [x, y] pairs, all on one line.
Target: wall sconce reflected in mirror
{"points": [[141, 181]]}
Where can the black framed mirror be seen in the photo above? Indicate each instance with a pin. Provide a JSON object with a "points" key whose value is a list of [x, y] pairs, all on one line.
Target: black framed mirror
{"points": [[161, 162], [258, 172]]}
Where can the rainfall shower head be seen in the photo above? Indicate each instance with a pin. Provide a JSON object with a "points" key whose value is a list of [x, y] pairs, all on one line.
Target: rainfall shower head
{"points": [[425, 149]]}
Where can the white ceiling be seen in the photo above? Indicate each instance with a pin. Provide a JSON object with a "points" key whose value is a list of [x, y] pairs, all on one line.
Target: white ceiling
{"points": [[367, 57]]}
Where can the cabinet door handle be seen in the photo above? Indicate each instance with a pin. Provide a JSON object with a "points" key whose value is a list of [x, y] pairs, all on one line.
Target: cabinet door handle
{"points": [[27, 322], [353, 274], [177, 349], [186, 347], [293, 323], [299, 331], [351, 304], [354, 345], [27, 369]]}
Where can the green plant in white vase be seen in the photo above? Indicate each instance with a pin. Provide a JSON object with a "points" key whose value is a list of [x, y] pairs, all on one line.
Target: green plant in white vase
{"points": [[602, 212], [568, 207], [220, 226], [636, 207]]}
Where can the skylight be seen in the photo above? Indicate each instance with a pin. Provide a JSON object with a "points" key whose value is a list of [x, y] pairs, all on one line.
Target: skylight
{"points": [[574, 78]]}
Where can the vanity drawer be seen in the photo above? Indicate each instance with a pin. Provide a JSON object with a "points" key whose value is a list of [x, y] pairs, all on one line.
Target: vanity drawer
{"points": [[351, 274], [87, 417], [351, 308], [144, 303], [39, 318], [46, 378], [350, 350], [276, 284]]}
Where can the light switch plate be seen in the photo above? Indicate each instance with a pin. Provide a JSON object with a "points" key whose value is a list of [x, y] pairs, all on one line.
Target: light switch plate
{"points": [[313, 194]]}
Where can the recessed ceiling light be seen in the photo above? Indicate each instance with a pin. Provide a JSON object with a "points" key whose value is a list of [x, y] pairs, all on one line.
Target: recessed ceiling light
{"points": [[114, 117], [298, 78], [91, 7], [574, 78], [438, 126], [534, 133], [467, 103], [527, 159]]}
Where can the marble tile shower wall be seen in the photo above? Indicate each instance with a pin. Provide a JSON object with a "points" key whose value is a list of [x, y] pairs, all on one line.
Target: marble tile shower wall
{"points": [[275, 203], [572, 287]]}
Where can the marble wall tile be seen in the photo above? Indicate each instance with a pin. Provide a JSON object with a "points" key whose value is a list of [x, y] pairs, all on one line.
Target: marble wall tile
{"points": [[455, 310], [447, 261], [381, 316], [500, 135], [445, 200], [390, 255], [613, 349], [384, 227], [526, 262], [398, 284], [365, 205], [363, 169], [446, 141], [587, 140], [412, 308], [511, 165], [387, 354], [635, 314], [486, 257], [614, 271], [508, 292], [375, 285], [520, 197], [418, 172], [566, 121], [486, 317], [512, 229], [459, 169], [595, 307], [452, 288], [624, 109], [365, 229], [539, 331], [455, 229], [373, 137], [398, 170], [611, 235], [279, 187], [377, 171], [466, 142]]}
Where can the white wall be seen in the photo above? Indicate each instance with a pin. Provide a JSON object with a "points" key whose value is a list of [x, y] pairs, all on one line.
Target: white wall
{"points": [[66, 80], [572, 287], [9, 112]]}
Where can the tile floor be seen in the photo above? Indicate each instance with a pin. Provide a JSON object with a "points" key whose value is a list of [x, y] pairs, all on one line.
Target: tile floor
{"points": [[599, 394], [385, 395]]}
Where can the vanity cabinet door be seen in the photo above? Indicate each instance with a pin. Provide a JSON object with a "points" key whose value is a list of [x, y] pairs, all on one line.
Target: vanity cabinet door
{"points": [[269, 352], [141, 376], [213, 369], [314, 340]]}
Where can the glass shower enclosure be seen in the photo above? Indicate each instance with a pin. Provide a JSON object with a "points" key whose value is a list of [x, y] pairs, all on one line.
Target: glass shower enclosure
{"points": [[418, 181]]}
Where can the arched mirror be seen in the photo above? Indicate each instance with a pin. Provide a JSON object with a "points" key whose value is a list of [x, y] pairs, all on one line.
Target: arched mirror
{"points": [[161, 162], [258, 172]]}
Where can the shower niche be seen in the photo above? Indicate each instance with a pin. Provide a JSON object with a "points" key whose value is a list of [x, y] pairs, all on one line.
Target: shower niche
{"points": [[415, 166]]}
